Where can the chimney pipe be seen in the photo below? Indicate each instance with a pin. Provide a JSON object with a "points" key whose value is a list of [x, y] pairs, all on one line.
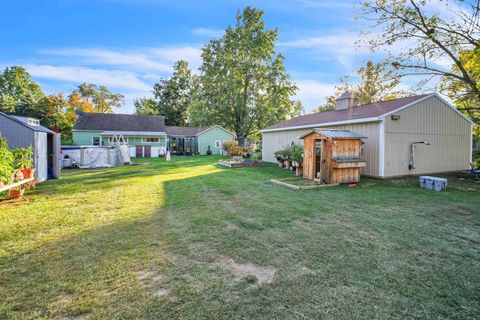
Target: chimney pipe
{"points": [[346, 100]]}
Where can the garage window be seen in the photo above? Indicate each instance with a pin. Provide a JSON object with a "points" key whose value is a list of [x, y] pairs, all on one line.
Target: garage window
{"points": [[95, 141], [218, 144]]}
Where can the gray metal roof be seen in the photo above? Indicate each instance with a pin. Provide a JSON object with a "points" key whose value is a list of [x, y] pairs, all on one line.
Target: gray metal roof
{"points": [[16, 119], [119, 122], [337, 133]]}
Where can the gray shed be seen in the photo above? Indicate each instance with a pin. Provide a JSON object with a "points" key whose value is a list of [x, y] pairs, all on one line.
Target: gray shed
{"points": [[22, 132]]}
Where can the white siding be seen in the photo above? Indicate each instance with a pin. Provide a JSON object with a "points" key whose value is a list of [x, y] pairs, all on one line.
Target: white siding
{"points": [[449, 135], [274, 141]]}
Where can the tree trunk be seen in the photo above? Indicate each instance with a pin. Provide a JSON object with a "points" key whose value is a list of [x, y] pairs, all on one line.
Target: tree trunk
{"points": [[241, 140]]}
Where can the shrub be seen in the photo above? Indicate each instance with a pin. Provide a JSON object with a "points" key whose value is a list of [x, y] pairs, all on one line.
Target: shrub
{"points": [[236, 151], [6, 162], [227, 146], [23, 157]]}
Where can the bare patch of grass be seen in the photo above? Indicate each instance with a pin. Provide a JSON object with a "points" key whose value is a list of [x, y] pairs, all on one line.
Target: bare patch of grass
{"points": [[263, 274]]}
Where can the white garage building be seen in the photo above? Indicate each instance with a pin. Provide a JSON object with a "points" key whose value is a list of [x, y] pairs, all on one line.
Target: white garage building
{"points": [[414, 135]]}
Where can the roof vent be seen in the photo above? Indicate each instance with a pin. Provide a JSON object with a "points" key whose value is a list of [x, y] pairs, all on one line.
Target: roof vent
{"points": [[346, 100]]}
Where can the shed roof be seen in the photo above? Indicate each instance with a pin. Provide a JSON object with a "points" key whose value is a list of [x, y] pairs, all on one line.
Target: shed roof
{"points": [[119, 122], [336, 134], [359, 112], [184, 131], [38, 128]]}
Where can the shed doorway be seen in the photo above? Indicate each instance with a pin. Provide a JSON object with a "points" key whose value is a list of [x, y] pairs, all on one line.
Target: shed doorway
{"points": [[318, 158]]}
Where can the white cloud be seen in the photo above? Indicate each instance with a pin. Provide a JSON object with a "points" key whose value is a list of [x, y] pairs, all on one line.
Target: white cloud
{"points": [[208, 32], [150, 59], [312, 93], [340, 46], [77, 75]]}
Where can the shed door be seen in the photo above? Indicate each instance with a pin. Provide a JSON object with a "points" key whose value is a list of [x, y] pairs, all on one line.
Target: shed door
{"points": [[147, 151], [138, 151], [318, 158], [41, 156]]}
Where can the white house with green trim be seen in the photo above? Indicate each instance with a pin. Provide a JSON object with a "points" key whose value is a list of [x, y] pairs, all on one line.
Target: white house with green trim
{"points": [[147, 136]]}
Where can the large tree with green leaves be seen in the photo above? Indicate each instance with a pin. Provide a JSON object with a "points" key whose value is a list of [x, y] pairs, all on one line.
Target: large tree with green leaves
{"points": [[146, 106], [431, 34], [377, 82], [243, 83], [100, 97], [18, 92], [174, 95]]}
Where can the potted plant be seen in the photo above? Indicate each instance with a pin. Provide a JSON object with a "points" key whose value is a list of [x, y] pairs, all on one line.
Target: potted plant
{"points": [[16, 192], [287, 157], [297, 157], [24, 160], [6, 163], [278, 156]]}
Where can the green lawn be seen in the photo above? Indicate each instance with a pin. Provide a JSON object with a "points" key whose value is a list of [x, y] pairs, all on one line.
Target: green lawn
{"points": [[189, 239]]}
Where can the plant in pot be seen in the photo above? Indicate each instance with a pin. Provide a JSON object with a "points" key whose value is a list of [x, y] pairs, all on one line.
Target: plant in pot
{"points": [[6, 163], [278, 155], [287, 157], [23, 161], [16, 192], [297, 157]]}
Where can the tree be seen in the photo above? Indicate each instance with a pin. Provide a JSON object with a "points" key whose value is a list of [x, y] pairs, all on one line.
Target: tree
{"points": [[377, 83], [100, 97], [17, 91], [427, 37], [174, 95], [243, 83], [146, 106]]}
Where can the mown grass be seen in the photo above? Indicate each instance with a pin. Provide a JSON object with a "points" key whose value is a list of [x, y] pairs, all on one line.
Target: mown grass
{"points": [[151, 242]]}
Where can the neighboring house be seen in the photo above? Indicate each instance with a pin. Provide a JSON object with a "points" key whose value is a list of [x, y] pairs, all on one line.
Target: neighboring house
{"points": [[22, 132], [395, 132], [147, 136]]}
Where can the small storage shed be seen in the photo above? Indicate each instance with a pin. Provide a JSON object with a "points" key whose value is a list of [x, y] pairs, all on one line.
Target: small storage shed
{"points": [[332, 156], [22, 132]]}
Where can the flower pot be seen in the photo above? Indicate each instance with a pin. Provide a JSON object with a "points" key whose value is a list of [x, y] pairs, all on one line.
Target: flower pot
{"points": [[299, 171], [18, 175], [28, 173], [15, 193]]}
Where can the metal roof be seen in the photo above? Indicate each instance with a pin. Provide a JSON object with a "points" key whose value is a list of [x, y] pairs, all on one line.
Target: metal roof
{"points": [[16, 119], [350, 114], [336, 134], [133, 133]]}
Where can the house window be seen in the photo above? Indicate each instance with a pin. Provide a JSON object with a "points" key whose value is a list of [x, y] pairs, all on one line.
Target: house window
{"points": [[96, 141], [112, 141], [150, 140], [218, 144]]}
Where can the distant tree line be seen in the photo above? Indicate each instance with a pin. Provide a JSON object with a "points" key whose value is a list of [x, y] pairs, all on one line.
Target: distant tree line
{"points": [[20, 95]]}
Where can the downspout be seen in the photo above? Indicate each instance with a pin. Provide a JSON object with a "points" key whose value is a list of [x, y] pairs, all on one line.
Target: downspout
{"points": [[412, 163]]}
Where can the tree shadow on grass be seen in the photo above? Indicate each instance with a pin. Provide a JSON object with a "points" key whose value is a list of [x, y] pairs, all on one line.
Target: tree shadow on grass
{"points": [[113, 270]]}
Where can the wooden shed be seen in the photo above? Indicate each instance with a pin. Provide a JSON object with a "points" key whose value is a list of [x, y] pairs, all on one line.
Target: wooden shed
{"points": [[332, 156]]}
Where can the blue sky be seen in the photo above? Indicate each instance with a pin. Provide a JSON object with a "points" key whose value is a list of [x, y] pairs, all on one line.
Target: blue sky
{"points": [[128, 45]]}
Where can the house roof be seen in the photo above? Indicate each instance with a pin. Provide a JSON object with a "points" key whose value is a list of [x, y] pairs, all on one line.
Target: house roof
{"points": [[119, 122], [18, 120], [355, 113], [184, 131], [336, 134]]}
